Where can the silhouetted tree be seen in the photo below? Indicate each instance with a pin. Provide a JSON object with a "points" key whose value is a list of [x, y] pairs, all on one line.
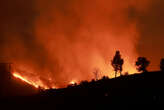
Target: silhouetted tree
{"points": [[162, 64], [142, 63], [117, 63]]}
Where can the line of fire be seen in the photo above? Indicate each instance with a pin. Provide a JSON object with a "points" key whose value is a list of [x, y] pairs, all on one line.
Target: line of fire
{"points": [[12, 84]]}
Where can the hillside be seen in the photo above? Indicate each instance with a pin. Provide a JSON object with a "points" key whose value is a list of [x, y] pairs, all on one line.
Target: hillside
{"points": [[146, 88], [138, 88], [13, 87]]}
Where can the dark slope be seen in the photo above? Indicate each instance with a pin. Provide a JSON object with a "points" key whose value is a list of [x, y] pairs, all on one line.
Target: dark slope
{"points": [[133, 89], [146, 88], [13, 87]]}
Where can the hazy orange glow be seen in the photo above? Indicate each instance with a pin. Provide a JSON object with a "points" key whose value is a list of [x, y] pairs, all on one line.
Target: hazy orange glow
{"points": [[69, 39]]}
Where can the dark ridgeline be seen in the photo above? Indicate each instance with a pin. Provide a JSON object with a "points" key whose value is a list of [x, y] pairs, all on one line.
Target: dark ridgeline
{"points": [[142, 88], [145, 88]]}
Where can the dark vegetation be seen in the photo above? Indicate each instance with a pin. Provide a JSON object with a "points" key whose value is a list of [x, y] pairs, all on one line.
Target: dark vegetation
{"points": [[142, 63]]}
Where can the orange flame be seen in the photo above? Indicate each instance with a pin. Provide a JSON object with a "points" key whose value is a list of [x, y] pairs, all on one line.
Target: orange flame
{"points": [[36, 84], [16, 75], [73, 82]]}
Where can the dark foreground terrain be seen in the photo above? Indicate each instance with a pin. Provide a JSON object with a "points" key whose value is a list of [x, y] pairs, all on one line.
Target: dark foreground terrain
{"points": [[146, 88]]}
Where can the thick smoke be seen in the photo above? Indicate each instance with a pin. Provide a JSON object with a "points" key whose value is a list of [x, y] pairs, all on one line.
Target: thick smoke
{"points": [[52, 42], [151, 25]]}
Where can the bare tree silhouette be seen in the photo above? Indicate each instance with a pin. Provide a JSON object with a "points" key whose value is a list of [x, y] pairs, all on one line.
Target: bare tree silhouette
{"points": [[162, 64], [142, 63], [96, 73], [117, 63]]}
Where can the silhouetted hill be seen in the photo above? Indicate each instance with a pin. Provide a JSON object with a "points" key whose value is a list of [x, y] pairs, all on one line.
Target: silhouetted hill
{"points": [[145, 88], [138, 88], [13, 87]]}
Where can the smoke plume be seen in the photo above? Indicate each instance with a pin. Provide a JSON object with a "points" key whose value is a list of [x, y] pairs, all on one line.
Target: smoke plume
{"points": [[53, 42]]}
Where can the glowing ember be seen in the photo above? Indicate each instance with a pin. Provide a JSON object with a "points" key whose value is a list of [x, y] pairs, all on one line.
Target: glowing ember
{"points": [[73, 82], [25, 80]]}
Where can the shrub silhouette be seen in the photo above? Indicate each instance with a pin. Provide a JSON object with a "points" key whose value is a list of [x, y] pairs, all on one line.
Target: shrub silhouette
{"points": [[117, 63], [142, 63]]}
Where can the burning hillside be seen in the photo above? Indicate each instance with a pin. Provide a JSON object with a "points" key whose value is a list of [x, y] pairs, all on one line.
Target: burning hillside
{"points": [[55, 43]]}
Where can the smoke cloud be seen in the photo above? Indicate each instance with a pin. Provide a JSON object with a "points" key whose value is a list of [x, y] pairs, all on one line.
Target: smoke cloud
{"points": [[52, 42]]}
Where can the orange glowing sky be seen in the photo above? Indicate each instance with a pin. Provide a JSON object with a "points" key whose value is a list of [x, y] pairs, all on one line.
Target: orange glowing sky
{"points": [[54, 42]]}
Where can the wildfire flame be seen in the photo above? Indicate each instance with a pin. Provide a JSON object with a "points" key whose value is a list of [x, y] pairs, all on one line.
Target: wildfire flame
{"points": [[73, 82], [35, 84], [16, 75], [68, 40]]}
